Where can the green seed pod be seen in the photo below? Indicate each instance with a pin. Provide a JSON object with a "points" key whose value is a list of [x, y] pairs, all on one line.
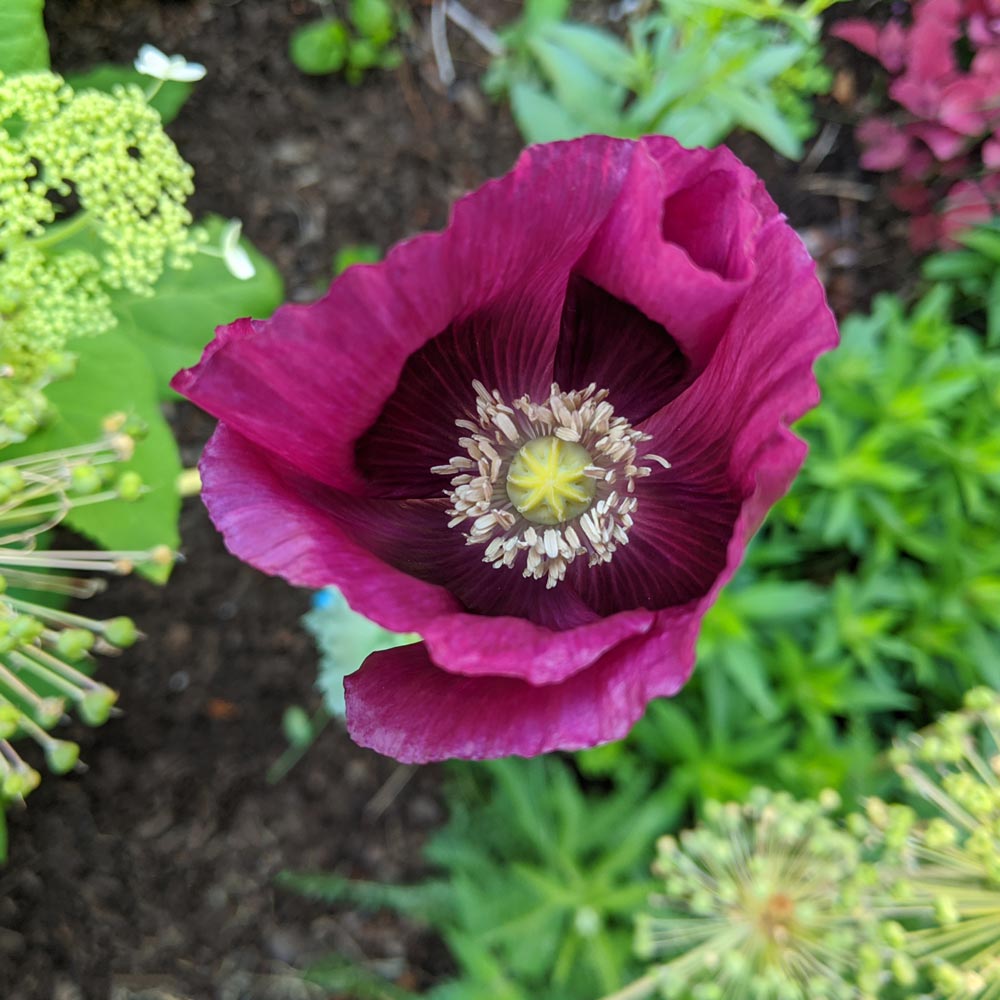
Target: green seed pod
{"points": [[130, 486], [74, 643], [10, 719], [84, 480], [61, 756], [96, 705], [120, 632]]}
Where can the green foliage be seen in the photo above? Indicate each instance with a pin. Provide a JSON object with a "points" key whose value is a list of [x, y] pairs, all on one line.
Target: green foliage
{"points": [[46, 653], [23, 45], [94, 202], [113, 374], [365, 41], [693, 69], [538, 883], [167, 101], [872, 596], [206, 295], [355, 253], [974, 272], [130, 368]]}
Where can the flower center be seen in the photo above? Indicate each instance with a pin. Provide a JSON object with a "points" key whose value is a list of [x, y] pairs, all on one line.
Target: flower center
{"points": [[567, 465], [547, 481]]}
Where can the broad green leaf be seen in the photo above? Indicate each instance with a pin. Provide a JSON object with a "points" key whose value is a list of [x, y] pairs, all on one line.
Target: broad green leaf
{"points": [[169, 99], [113, 375], [540, 117], [754, 112], [601, 51], [23, 45], [588, 97], [173, 327], [320, 48], [374, 19]]}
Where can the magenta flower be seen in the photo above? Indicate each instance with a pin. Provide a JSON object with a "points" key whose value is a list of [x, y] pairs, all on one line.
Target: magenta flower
{"points": [[541, 439]]}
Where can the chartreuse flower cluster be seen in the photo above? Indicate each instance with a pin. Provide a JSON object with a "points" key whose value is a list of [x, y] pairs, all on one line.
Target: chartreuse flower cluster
{"points": [[768, 900], [46, 653], [94, 201], [944, 871]]}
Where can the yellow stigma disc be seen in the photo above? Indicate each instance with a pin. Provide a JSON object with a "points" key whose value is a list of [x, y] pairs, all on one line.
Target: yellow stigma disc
{"points": [[546, 481]]}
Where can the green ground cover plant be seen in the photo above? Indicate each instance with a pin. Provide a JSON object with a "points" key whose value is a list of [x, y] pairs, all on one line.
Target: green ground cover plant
{"points": [[692, 69]]}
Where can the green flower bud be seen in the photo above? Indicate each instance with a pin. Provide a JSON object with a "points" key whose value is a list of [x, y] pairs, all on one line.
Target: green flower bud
{"points": [[85, 480], [26, 628], [130, 486], [19, 783], [74, 643], [61, 756], [49, 712], [120, 632], [10, 718], [95, 706]]}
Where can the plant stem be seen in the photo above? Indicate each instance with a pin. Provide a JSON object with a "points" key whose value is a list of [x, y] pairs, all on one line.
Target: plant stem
{"points": [[640, 989]]}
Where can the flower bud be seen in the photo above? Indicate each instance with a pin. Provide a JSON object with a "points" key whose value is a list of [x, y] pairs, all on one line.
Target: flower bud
{"points": [[61, 756], [120, 632]]}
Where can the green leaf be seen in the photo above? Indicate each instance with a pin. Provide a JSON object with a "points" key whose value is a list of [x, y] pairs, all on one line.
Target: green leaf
{"points": [[755, 113], [993, 312], [601, 51], [540, 117], [320, 48], [347, 978], [113, 375], [355, 253], [588, 97], [374, 19], [23, 45], [173, 326], [169, 99]]}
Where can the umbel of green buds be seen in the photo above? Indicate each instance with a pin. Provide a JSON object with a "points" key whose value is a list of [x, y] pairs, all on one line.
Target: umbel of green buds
{"points": [[47, 654], [943, 870], [93, 194], [767, 900]]}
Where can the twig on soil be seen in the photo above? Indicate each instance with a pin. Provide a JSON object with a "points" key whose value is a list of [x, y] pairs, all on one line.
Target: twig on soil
{"points": [[478, 30], [439, 42], [386, 795], [443, 11], [821, 147], [838, 187]]}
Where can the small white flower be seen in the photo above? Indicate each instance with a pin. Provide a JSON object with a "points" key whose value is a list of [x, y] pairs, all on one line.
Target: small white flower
{"points": [[236, 259], [152, 62]]}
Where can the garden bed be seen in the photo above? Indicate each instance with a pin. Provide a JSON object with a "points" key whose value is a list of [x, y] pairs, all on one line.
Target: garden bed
{"points": [[151, 874]]}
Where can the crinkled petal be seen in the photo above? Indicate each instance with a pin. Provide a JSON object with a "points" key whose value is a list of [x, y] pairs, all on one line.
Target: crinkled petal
{"points": [[400, 704], [719, 432], [307, 383], [287, 525], [513, 647], [678, 246]]}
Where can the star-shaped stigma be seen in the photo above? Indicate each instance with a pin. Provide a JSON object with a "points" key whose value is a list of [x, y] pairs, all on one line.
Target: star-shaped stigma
{"points": [[547, 481]]}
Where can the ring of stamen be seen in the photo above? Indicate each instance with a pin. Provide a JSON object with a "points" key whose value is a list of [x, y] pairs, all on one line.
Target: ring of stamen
{"points": [[554, 480]]}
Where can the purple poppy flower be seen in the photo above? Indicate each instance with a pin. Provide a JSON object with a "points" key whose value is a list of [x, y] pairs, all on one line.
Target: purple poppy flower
{"points": [[541, 439]]}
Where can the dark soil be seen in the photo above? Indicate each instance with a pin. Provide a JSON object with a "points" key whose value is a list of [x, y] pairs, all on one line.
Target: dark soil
{"points": [[151, 875]]}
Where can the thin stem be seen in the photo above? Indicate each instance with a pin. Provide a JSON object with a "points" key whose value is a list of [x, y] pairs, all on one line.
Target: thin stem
{"points": [[641, 988], [478, 30]]}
